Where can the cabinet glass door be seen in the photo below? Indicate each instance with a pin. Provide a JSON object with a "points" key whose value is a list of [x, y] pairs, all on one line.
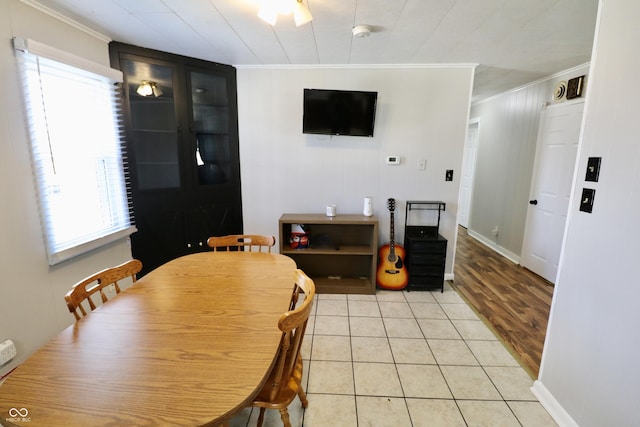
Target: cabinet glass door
{"points": [[210, 112], [154, 130]]}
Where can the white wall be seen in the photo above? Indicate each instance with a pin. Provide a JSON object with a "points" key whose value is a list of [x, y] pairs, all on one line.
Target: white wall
{"points": [[422, 114], [507, 135], [589, 373], [32, 307]]}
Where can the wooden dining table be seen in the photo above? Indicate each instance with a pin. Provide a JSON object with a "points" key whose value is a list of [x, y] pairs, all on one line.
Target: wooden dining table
{"points": [[189, 344]]}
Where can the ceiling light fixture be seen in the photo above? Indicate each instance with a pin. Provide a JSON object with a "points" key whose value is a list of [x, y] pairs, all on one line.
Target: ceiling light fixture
{"points": [[270, 10], [360, 31], [148, 88]]}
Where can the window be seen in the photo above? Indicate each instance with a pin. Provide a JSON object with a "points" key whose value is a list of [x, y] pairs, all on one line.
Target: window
{"points": [[77, 149]]}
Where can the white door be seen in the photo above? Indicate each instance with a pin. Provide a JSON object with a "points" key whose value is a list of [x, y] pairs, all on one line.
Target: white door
{"points": [[468, 172], [556, 153]]}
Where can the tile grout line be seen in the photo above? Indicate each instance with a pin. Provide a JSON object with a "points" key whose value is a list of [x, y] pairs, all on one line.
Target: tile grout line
{"points": [[353, 368], [455, 400], [480, 364], [491, 328], [395, 364]]}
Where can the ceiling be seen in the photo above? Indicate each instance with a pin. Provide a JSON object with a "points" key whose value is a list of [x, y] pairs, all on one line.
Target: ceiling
{"points": [[513, 42]]}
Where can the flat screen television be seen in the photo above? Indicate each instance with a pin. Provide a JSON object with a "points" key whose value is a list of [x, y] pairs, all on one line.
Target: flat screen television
{"points": [[339, 112]]}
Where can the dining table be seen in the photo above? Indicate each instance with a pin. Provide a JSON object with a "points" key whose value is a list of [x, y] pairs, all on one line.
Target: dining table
{"points": [[189, 344]]}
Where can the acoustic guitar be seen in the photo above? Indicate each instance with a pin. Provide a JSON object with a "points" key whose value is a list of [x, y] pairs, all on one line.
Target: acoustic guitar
{"points": [[392, 273]]}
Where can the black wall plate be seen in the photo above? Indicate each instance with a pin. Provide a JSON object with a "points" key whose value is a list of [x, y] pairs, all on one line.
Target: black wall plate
{"points": [[586, 201], [593, 169], [574, 87]]}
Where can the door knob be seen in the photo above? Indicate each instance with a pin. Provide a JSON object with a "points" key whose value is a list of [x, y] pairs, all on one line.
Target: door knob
{"points": [[533, 202]]}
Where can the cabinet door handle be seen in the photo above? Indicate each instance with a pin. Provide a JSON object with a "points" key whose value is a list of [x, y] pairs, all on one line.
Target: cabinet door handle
{"points": [[533, 202]]}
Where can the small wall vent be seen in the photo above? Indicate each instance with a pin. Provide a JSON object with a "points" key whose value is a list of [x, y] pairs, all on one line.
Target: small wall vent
{"points": [[560, 91]]}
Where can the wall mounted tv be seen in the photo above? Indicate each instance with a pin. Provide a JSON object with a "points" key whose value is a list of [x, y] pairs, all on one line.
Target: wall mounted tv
{"points": [[339, 112]]}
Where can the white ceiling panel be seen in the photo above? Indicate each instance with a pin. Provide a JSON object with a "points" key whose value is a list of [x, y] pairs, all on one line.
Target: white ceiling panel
{"points": [[513, 41], [298, 43], [213, 27], [142, 6]]}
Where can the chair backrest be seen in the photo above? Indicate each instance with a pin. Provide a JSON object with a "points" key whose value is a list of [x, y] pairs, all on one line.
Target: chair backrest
{"points": [[246, 242], [84, 289], [293, 324]]}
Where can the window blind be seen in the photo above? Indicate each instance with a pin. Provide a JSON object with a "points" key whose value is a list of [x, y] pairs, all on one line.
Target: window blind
{"points": [[77, 147]]}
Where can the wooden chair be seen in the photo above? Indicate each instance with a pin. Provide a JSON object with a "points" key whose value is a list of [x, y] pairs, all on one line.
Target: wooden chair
{"points": [[284, 382], [83, 290], [246, 242]]}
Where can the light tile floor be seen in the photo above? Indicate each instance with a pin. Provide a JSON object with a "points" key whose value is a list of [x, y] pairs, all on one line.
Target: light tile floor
{"points": [[406, 359]]}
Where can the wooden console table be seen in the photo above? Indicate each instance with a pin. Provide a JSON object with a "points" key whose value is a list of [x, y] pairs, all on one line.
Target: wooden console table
{"points": [[342, 253]]}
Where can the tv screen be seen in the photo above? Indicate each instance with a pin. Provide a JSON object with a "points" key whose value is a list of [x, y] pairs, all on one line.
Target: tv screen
{"points": [[339, 112]]}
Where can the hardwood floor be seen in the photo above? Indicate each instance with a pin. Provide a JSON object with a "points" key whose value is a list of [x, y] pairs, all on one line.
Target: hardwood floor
{"points": [[512, 300]]}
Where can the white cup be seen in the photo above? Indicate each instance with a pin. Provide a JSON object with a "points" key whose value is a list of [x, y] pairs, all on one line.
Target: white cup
{"points": [[331, 210]]}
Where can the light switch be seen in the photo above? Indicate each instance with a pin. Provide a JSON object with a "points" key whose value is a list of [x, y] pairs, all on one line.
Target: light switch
{"points": [[586, 201], [593, 169]]}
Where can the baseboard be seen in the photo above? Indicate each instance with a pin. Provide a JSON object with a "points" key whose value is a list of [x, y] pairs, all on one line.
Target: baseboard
{"points": [[553, 407], [493, 245], [448, 277]]}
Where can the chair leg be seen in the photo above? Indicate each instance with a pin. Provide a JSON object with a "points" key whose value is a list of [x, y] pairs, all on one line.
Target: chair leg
{"points": [[260, 417], [303, 397], [284, 414]]}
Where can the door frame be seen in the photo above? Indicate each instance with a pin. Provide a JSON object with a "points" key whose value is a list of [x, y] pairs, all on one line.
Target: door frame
{"points": [[472, 122]]}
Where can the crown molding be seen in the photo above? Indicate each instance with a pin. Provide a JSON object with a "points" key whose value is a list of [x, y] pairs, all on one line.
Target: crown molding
{"points": [[60, 17], [355, 66]]}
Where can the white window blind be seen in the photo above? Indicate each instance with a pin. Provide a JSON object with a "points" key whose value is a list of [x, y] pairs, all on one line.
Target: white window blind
{"points": [[74, 121]]}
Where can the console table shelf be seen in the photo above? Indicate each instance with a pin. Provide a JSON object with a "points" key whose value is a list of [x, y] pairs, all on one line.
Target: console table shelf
{"points": [[342, 252]]}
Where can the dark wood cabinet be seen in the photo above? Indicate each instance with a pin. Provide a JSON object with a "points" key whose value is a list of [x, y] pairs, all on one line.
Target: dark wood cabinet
{"points": [[426, 249], [426, 257], [182, 146]]}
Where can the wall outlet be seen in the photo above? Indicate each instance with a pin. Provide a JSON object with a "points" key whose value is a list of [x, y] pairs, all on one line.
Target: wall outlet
{"points": [[7, 351], [495, 231], [422, 164]]}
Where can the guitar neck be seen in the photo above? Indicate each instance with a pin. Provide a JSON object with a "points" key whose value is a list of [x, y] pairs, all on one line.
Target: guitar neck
{"points": [[391, 237]]}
